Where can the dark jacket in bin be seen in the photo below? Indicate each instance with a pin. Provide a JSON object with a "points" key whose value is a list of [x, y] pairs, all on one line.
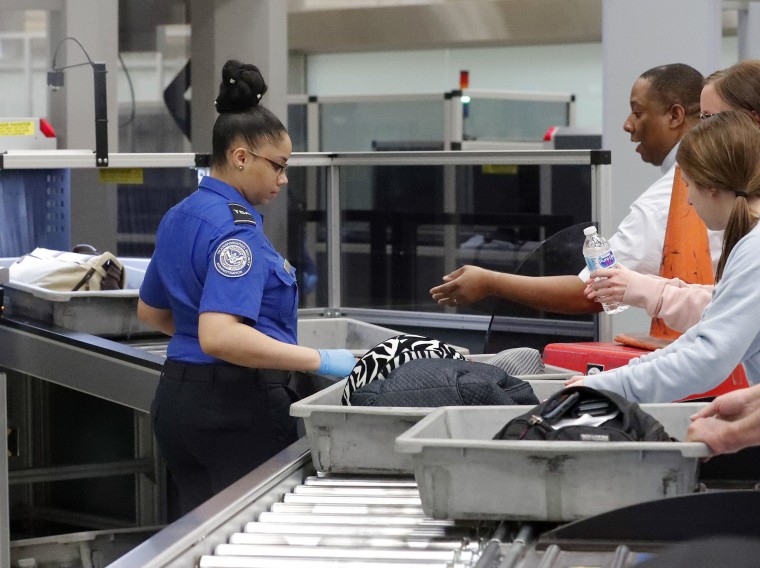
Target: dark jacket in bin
{"points": [[445, 382]]}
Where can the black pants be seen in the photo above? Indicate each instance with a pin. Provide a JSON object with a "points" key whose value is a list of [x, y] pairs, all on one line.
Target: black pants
{"points": [[216, 423]]}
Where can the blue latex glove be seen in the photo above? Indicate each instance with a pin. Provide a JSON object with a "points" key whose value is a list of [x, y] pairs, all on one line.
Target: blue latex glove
{"points": [[337, 362]]}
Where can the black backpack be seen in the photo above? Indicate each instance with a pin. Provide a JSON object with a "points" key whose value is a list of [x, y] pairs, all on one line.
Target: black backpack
{"points": [[630, 423], [445, 382]]}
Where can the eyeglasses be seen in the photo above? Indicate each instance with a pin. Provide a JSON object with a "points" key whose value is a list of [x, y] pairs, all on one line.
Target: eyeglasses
{"points": [[279, 168], [705, 115]]}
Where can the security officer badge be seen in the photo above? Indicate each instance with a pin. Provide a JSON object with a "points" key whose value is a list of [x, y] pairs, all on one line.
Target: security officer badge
{"points": [[233, 258]]}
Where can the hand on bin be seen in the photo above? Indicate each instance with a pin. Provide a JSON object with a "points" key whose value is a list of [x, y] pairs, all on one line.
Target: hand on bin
{"points": [[337, 362]]}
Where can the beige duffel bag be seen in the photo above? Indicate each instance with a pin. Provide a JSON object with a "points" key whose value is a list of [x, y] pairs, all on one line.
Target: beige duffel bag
{"points": [[69, 271]]}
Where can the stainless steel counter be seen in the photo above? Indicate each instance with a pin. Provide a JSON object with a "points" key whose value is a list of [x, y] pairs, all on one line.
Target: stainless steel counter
{"points": [[93, 365]]}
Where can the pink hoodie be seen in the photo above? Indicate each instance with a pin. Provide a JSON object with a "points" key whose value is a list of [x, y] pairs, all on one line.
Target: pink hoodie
{"points": [[678, 304]]}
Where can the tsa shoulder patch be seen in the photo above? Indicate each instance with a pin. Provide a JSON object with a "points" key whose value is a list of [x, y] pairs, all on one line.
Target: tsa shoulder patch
{"points": [[233, 258], [241, 215]]}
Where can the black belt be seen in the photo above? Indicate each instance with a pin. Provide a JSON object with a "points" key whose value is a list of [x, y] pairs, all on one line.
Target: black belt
{"points": [[195, 372]]}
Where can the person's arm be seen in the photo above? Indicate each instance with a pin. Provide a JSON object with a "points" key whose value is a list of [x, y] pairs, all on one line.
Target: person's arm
{"points": [[637, 244], [729, 423], [226, 337], [699, 360], [157, 318], [678, 304], [560, 294]]}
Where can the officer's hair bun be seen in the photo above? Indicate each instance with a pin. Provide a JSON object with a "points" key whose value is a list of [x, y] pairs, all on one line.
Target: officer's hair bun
{"points": [[241, 88]]}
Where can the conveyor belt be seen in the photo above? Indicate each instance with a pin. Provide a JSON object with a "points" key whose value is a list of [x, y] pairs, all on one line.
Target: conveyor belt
{"points": [[285, 514], [337, 521]]}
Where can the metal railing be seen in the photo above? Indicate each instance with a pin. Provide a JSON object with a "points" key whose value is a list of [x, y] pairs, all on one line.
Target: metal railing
{"points": [[333, 166]]}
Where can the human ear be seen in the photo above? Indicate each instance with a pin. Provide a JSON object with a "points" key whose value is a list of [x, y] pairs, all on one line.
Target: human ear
{"points": [[239, 157], [677, 115]]}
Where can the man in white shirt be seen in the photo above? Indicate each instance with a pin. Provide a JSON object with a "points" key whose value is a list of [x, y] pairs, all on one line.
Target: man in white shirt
{"points": [[664, 107]]}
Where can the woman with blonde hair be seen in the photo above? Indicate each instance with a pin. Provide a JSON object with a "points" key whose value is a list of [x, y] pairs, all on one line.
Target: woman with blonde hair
{"points": [[720, 160], [734, 88]]}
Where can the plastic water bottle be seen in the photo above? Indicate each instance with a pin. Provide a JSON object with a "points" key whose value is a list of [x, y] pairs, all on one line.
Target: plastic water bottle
{"points": [[598, 254]]}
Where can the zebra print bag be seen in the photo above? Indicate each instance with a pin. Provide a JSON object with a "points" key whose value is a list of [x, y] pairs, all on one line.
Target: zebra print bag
{"points": [[378, 362]]}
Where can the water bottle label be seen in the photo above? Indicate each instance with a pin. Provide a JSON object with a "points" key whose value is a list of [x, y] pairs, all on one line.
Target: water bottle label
{"points": [[606, 260]]}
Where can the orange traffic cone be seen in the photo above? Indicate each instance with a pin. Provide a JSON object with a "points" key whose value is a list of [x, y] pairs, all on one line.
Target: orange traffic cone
{"points": [[686, 250], [685, 255]]}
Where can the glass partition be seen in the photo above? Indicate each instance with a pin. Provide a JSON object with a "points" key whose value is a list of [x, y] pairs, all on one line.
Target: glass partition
{"points": [[434, 121], [34, 208], [402, 227], [143, 203], [372, 233], [518, 120], [298, 120], [381, 123]]}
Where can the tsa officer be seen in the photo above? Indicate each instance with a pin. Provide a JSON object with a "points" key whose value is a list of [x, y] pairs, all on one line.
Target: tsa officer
{"points": [[229, 302]]}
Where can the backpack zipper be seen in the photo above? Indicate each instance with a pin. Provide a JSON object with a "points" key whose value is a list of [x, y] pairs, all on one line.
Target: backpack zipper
{"points": [[536, 420]]}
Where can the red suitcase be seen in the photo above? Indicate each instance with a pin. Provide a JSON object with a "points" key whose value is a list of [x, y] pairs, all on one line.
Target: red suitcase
{"points": [[588, 358]]}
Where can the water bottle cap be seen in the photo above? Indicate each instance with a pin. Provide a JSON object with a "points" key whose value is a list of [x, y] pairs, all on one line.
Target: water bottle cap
{"points": [[589, 231]]}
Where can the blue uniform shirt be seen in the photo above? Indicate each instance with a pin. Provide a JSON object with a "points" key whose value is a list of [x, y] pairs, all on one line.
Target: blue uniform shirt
{"points": [[212, 255]]}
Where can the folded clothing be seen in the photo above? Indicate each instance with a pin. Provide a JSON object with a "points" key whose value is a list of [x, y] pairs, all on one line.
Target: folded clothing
{"points": [[519, 361], [378, 362], [445, 382]]}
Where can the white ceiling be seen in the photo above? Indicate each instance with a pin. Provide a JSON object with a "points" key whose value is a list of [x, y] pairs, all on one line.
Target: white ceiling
{"points": [[316, 26]]}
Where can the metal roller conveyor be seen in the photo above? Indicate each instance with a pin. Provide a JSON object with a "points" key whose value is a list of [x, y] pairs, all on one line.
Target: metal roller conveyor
{"points": [[349, 499], [361, 492], [410, 531], [385, 521], [347, 529], [380, 482], [242, 562], [363, 552], [416, 543], [345, 509], [365, 523]]}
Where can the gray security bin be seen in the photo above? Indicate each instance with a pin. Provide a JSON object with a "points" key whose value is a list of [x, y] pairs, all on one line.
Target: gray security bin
{"points": [[111, 313], [462, 473], [360, 439], [342, 333]]}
